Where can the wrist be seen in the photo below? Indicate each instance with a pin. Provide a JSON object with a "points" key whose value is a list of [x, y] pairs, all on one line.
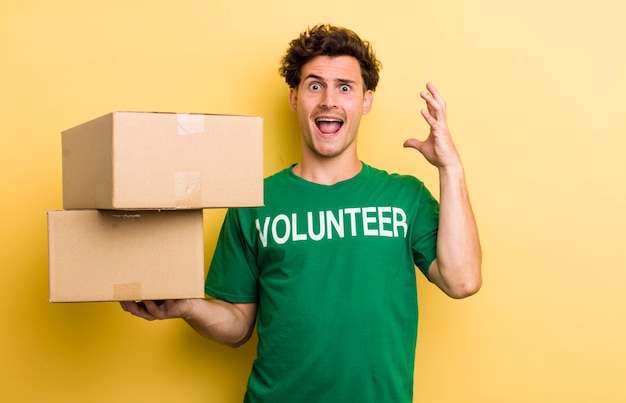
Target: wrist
{"points": [[187, 309], [452, 170]]}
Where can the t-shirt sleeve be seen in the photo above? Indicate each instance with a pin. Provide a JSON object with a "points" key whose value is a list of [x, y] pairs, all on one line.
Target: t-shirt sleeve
{"points": [[424, 236], [233, 272]]}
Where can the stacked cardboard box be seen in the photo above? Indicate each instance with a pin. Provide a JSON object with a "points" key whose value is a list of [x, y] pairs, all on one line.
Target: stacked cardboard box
{"points": [[134, 187]]}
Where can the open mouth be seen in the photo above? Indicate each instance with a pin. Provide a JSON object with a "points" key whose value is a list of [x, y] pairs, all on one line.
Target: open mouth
{"points": [[328, 125]]}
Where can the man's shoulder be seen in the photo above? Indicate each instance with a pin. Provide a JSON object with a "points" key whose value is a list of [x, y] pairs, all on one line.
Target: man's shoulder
{"points": [[384, 175], [278, 177]]}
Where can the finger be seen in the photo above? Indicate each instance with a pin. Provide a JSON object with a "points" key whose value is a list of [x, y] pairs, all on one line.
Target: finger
{"points": [[413, 143], [435, 116], [428, 116], [129, 306], [154, 308], [163, 309], [437, 96], [435, 92], [137, 309], [433, 106]]}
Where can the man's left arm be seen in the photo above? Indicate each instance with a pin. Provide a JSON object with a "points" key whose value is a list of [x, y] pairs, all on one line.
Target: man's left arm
{"points": [[457, 268]]}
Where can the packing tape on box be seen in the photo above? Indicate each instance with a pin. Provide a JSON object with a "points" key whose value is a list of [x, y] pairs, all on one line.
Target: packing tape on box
{"points": [[127, 291], [190, 124], [187, 188]]}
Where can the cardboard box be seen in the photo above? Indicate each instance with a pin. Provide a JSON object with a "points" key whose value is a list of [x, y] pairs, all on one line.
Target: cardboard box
{"points": [[97, 255], [141, 160]]}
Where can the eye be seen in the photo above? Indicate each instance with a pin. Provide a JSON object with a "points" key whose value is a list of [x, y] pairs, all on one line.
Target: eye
{"points": [[315, 86], [345, 88]]}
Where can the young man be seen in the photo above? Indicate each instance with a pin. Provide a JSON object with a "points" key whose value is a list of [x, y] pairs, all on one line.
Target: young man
{"points": [[327, 266]]}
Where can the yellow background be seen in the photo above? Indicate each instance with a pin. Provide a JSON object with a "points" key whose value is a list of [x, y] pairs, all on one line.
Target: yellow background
{"points": [[535, 92]]}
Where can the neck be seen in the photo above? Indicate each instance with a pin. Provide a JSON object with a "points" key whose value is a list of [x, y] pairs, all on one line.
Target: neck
{"points": [[328, 171]]}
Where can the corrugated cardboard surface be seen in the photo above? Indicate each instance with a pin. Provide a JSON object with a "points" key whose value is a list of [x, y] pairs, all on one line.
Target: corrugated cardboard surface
{"points": [[125, 255], [141, 160]]}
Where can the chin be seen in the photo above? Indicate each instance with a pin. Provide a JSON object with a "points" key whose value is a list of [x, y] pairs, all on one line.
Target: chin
{"points": [[328, 153]]}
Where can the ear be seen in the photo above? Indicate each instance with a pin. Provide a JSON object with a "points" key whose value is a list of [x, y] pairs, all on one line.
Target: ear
{"points": [[293, 98], [368, 100]]}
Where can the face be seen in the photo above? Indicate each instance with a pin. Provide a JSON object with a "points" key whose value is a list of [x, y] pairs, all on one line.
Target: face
{"points": [[329, 102]]}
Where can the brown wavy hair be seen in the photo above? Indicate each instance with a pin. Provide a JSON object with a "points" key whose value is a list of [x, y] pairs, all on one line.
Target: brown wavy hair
{"points": [[329, 40]]}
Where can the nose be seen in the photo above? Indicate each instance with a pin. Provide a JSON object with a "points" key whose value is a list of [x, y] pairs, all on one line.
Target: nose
{"points": [[328, 99]]}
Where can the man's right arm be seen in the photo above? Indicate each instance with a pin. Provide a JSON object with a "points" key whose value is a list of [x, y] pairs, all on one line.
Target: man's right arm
{"points": [[224, 322]]}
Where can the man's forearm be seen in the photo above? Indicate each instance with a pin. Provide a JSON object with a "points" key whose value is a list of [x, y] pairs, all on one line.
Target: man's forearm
{"points": [[458, 247], [224, 322]]}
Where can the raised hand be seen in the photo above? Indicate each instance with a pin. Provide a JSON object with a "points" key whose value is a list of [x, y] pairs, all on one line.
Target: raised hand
{"points": [[438, 148]]}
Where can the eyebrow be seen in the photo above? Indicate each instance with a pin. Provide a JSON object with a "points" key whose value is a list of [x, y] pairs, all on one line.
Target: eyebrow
{"points": [[320, 78]]}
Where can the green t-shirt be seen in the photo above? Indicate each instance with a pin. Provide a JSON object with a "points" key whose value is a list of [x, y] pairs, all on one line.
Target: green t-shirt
{"points": [[333, 271]]}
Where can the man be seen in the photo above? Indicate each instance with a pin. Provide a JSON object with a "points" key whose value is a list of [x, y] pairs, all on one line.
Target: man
{"points": [[327, 266]]}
